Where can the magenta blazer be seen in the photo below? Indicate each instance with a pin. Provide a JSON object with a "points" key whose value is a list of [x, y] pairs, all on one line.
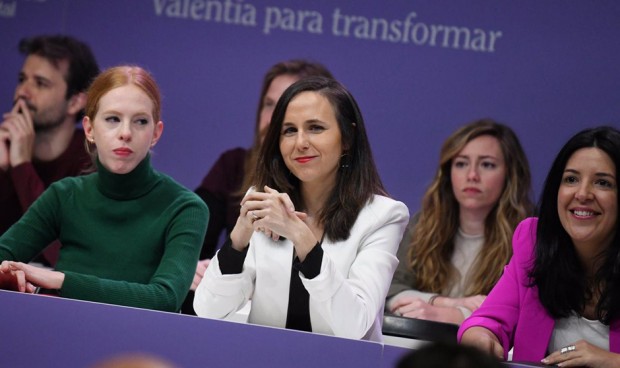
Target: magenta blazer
{"points": [[512, 310]]}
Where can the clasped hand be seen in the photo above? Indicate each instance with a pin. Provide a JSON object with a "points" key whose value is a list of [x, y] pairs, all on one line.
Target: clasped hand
{"points": [[270, 212]]}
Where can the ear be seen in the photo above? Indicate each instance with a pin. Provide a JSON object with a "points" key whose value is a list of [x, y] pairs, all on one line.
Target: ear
{"points": [[159, 129], [88, 129], [77, 102]]}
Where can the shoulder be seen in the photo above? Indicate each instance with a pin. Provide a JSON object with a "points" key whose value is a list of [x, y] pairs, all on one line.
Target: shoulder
{"points": [[71, 183], [524, 238], [181, 195], [70, 187], [383, 209]]}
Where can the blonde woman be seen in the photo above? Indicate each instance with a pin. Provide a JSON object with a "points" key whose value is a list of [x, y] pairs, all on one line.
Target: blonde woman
{"points": [[455, 248]]}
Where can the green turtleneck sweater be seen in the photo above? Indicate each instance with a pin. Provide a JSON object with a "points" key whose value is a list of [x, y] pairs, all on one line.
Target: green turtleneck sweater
{"points": [[130, 239]]}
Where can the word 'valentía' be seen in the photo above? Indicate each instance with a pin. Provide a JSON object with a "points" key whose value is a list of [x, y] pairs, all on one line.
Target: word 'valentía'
{"points": [[225, 11]]}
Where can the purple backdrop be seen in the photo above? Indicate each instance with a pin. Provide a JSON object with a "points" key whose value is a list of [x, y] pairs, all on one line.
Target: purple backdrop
{"points": [[546, 68]]}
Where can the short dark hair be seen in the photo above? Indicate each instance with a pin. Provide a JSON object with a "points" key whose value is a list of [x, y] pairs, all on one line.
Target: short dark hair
{"points": [[357, 178], [444, 355], [83, 67], [561, 280]]}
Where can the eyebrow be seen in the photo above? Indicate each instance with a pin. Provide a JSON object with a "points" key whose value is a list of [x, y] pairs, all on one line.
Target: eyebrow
{"points": [[483, 157], [116, 112], [306, 122], [599, 174], [36, 76]]}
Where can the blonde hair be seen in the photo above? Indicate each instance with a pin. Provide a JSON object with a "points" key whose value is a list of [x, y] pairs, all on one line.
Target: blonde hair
{"points": [[432, 244]]}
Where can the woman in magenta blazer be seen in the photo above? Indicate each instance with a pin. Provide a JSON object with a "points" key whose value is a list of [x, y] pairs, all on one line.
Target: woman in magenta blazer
{"points": [[558, 300]]}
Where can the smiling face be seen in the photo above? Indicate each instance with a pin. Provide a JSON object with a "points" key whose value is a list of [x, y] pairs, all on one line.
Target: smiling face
{"points": [[588, 199], [123, 128], [310, 140], [478, 175]]}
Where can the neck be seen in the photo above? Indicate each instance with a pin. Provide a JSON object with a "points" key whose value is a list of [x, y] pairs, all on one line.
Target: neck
{"points": [[472, 222], [314, 196], [589, 255], [50, 144]]}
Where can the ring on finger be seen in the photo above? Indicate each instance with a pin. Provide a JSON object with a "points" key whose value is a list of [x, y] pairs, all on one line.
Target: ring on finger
{"points": [[254, 215], [567, 349]]}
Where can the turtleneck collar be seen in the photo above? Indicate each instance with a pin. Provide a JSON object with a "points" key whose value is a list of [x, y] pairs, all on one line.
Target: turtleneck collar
{"points": [[132, 185]]}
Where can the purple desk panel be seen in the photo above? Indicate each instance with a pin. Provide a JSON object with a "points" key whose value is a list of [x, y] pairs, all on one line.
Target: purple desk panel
{"points": [[40, 331]]}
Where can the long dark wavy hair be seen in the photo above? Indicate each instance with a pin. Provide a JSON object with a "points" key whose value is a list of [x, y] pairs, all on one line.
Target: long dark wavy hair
{"points": [[563, 286], [357, 178]]}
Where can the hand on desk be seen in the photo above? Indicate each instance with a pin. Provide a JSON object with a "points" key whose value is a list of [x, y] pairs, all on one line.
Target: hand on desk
{"points": [[442, 309], [584, 354], [23, 277]]}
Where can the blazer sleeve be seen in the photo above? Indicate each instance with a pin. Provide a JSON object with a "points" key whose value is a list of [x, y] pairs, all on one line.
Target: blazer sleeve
{"points": [[220, 295], [501, 309]]}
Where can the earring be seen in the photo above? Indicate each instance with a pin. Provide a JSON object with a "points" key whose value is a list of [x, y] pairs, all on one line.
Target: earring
{"points": [[345, 160]]}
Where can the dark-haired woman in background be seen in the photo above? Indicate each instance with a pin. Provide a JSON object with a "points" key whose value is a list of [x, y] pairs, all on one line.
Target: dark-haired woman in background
{"points": [[559, 298], [316, 186]]}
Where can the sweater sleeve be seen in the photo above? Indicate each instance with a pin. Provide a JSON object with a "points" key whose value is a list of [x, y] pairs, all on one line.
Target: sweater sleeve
{"points": [[350, 302], [170, 283], [36, 229], [403, 277], [500, 311]]}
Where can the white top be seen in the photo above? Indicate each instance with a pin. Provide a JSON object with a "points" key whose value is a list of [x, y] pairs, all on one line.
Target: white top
{"points": [[466, 249], [568, 331], [346, 298]]}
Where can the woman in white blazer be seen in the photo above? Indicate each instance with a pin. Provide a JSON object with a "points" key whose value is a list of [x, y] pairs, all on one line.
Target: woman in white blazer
{"points": [[315, 244]]}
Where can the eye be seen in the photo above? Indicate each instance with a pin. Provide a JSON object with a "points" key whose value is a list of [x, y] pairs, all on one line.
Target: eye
{"points": [[570, 179], [316, 128], [268, 104], [604, 183], [112, 119], [42, 83], [459, 164], [142, 121], [21, 79], [288, 131], [488, 165]]}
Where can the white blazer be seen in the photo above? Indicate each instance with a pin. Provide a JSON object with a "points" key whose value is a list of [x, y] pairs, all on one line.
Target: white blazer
{"points": [[346, 298]]}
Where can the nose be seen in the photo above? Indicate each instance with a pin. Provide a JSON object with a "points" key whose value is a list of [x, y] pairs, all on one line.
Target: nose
{"points": [[125, 131], [22, 91], [472, 173], [584, 192], [302, 141]]}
